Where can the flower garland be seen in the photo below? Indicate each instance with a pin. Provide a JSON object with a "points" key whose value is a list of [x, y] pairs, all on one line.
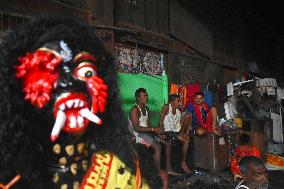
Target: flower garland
{"points": [[198, 111], [174, 119]]}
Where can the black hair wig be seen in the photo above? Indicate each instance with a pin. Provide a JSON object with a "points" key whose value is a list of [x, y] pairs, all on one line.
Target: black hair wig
{"points": [[244, 138]]}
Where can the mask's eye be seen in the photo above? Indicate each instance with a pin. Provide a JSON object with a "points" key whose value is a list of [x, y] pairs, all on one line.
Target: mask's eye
{"points": [[85, 70]]}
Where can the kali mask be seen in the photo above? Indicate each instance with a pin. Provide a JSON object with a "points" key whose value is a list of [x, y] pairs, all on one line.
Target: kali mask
{"points": [[68, 80]]}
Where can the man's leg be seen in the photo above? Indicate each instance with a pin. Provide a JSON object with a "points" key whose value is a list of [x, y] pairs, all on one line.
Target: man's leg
{"points": [[157, 153], [165, 178], [168, 151], [184, 156], [186, 123], [185, 140], [199, 131], [213, 111]]}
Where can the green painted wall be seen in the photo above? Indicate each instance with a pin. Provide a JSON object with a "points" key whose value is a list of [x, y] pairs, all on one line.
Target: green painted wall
{"points": [[156, 86]]}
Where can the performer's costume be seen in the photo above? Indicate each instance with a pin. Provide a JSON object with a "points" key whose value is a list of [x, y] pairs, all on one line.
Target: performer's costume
{"points": [[60, 111], [107, 171]]}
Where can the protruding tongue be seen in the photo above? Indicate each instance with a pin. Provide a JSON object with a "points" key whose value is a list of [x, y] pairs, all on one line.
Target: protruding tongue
{"points": [[61, 119], [86, 113], [58, 125]]}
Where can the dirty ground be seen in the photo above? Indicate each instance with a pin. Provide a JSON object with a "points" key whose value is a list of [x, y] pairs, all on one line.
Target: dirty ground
{"points": [[202, 179]]}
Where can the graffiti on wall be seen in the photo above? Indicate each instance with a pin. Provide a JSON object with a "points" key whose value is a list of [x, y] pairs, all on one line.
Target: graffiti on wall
{"points": [[138, 60]]}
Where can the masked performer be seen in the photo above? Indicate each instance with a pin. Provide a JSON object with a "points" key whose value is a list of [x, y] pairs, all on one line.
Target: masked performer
{"points": [[61, 120]]}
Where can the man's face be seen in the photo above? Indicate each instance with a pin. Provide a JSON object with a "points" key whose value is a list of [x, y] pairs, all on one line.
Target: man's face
{"points": [[198, 99], [175, 103], [143, 98], [257, 177]]}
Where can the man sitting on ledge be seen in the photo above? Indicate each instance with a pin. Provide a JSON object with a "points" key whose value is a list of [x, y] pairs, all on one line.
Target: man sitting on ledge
{"points": [[203, 118], [171, 123]]}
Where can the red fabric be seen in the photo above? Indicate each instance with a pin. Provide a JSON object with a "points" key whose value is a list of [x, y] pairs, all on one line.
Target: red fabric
{"points": [[191, 89], [240, 152], [207, 124], [181, 91]]}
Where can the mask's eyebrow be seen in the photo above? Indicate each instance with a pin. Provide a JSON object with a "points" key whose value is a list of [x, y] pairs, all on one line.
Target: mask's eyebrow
{"points": [[84, 56], [51, 51]]}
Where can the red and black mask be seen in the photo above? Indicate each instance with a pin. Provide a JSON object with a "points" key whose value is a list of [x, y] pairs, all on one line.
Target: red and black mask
{"points": [[67, 79]]}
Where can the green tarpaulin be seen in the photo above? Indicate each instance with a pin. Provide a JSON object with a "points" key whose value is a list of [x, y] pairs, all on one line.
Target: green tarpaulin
{"points": [[157, 89]]}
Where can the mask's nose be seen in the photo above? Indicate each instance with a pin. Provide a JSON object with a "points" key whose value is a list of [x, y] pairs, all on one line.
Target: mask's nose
{"points": [[66, 80]]}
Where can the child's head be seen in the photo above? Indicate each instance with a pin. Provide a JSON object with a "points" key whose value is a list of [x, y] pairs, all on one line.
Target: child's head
{"points": [[244, 138]]}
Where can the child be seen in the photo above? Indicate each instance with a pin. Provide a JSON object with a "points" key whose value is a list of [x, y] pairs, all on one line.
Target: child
{"points": [[241, 151]]}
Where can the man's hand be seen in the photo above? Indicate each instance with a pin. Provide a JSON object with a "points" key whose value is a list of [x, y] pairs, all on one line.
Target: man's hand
{"points": [[183, 137], [162, 136], [157, 130]]}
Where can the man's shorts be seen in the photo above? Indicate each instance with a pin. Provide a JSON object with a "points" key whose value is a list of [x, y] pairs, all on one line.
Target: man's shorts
{"points": [[145, 139], [171, 135]]}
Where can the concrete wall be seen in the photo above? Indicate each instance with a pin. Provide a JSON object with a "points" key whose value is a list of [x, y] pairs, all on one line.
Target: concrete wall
{"points": [[225, 33], [186, 28]]}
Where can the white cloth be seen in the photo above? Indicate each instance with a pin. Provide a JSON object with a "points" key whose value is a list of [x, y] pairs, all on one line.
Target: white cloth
{"points": [[230, 111], [277, 128], [280, 93], [268, 85], [241, 186], [268, 82], [230, 89], [270, 91], [171, 121]]}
